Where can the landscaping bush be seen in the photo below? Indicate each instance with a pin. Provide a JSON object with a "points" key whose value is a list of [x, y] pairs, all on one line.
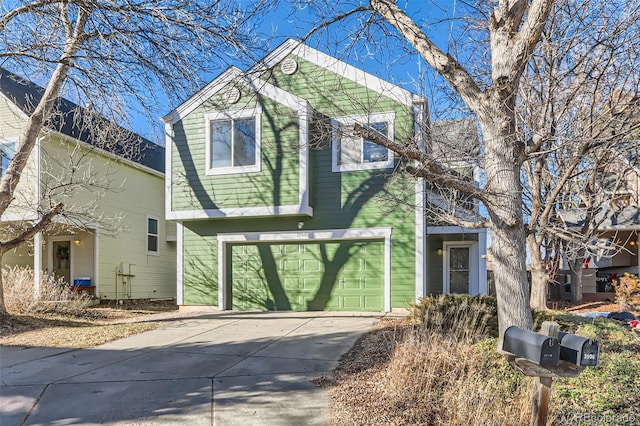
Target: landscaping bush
{"points": [[440, 368], [460, 314], [55, 295], [628, 292]]}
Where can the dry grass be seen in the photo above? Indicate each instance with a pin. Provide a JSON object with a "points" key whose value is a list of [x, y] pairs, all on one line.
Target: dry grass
{"points": [[431, 372], [55, 295], [443, 369], [66, 319]]}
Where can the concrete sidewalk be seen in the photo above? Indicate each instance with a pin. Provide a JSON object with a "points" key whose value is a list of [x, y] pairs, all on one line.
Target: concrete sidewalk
{"points": [[224, 368]]}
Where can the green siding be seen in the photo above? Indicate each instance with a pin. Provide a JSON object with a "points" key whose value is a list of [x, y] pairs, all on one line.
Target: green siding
{"points": [[345, 275], [277, 182], [358, 199], [200, 269]]}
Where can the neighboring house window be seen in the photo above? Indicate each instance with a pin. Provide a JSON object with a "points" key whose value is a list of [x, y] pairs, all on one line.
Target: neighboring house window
{"points": [[351, 152], [233, 142], [153, 233], [7, 149]]}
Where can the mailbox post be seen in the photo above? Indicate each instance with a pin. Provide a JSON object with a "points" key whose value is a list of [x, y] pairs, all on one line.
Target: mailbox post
{"points": [[546, 355]]}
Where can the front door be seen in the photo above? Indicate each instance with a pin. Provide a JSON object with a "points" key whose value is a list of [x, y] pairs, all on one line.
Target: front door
{"points": [[458, 269], [62, 260]]}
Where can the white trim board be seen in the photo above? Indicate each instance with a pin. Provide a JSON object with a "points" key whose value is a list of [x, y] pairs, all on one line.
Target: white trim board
{"points": [[434, 230], [288, 210], [302, 236], [179, 263]]}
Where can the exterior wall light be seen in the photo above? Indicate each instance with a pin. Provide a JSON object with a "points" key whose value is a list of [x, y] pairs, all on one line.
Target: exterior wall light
{"points": [[300, 224], [77, 241]]}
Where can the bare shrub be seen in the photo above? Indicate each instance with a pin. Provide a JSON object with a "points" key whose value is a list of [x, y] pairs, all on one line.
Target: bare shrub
{"points": [[458, 314], [628, 292], [55, 295], [443, 371]]}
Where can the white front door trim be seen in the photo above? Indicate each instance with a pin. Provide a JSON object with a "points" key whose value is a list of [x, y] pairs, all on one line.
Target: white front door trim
{"points": [[473, 265], [303, 236]]}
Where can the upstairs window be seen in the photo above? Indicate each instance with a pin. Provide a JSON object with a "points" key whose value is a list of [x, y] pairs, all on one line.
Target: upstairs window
{"points": [[7, 150], [233, 142], [152, 235], [351, 152]]}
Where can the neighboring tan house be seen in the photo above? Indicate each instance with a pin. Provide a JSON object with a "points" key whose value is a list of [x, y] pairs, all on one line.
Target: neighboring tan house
{"points": [[127, 196], [618, 227], [281, 206]]}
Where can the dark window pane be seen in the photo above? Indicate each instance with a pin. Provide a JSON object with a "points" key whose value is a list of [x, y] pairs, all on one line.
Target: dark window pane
{"points": [[459, 258], [152, 243], [6, 154], [152, 226], [459, 282], [244, 142]]}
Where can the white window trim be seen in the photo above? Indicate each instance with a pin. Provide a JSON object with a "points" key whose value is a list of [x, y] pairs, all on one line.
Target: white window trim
{"points": [[147, 234], [388, 117], [233, 115]]}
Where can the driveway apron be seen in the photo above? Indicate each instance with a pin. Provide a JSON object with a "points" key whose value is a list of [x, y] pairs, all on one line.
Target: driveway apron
{"points": [[223, 368]]}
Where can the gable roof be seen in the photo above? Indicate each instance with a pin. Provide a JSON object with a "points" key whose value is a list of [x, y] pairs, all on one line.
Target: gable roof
{"points": [[234, 74], [305, 52], [335, 65], [83, 124]]}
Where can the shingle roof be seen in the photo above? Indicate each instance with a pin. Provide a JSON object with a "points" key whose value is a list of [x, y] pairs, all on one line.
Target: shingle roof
{"points": [[618, 219], [83, 124]]}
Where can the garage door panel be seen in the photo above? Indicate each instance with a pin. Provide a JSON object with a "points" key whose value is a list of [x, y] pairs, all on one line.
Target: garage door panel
{"points": [[355, 265], [311, 265], [292, 265], [353, 278], [372, 302], [292, 284], [351, 284]]}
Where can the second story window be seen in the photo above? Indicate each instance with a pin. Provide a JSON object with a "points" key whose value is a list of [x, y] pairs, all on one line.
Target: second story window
{"points": [[351, 152], [233, 142], [7, 150]]}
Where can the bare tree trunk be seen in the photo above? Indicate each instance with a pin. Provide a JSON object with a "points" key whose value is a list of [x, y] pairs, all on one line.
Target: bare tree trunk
{"points": [[513, 38], [576, 280], [3, 307], [539, 276], [504, 203]]}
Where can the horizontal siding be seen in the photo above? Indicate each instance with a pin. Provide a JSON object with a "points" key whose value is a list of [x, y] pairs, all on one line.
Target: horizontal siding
{"points": [[276, 184], [200, 267], [11, 120], [360, 199], [121, 211], [24, 202]]}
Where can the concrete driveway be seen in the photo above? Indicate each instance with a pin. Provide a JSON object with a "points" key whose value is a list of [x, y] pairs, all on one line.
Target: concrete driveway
{"points": [[223, 368]]}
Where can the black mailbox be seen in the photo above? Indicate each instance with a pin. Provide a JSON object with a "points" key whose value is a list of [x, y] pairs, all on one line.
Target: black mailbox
{"points": [[578, 350], [536, 347]]}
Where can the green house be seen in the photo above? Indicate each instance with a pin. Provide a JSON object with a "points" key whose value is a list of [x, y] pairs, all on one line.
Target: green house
{"points": [[281, 206]]}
